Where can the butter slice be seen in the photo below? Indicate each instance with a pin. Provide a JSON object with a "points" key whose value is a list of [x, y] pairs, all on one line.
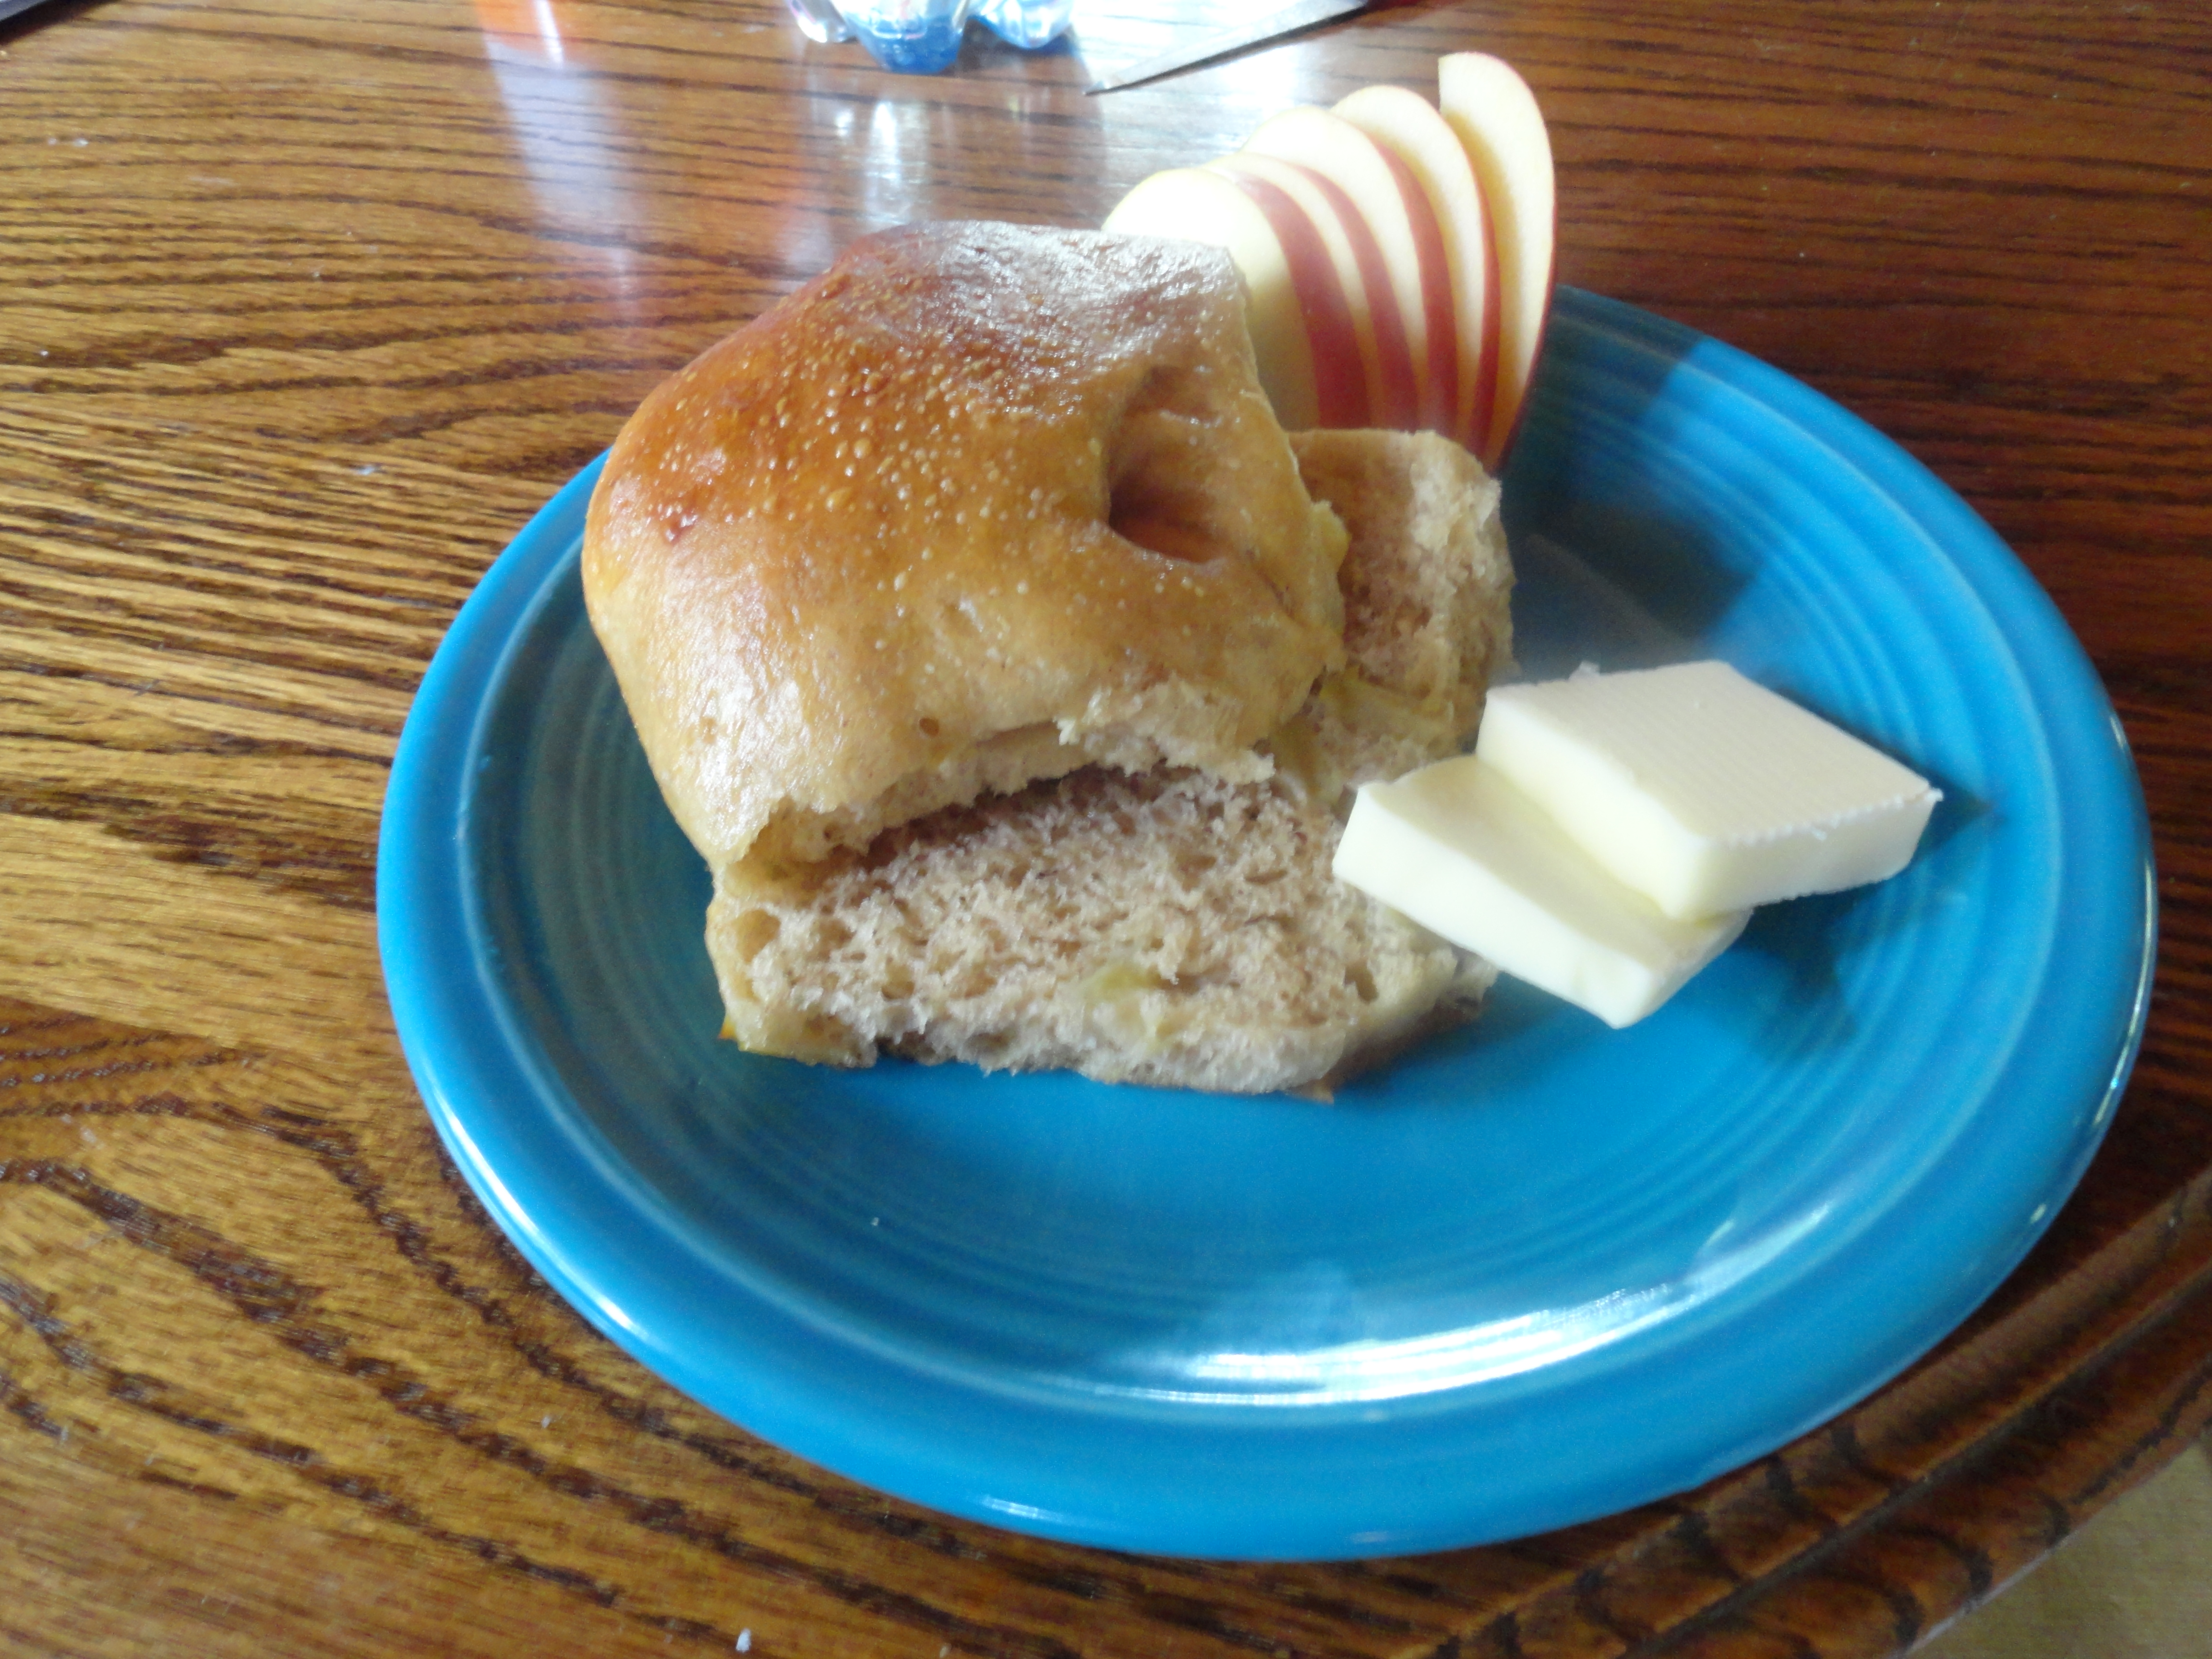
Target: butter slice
{"points": [[1457, 848], [1704, 791]]}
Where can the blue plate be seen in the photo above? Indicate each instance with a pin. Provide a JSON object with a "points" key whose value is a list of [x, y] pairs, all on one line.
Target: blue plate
{"points": [[1533, 1272]]}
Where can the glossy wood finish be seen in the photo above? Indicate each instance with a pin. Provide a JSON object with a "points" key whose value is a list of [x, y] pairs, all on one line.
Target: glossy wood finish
{"points": [[304, 308]]}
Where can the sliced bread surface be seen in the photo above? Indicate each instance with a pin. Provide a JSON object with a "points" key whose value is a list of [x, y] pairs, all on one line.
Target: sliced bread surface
{"points": [[1171, 928]]}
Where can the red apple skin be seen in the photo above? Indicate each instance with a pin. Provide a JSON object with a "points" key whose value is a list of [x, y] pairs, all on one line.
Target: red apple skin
{"points": [[1400, 406], [1475, 185], [1410, 127], [1484, 429], [1440, 408], [1367, 184], [1340, 378], [1496, 117], [1393, 395]]}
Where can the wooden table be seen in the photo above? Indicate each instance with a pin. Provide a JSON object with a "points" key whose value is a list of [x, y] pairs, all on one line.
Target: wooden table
{"points": [[305, 308]]}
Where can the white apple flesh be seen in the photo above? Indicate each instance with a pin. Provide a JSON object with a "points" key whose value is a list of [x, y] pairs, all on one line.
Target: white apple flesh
{"points": [[1191, 204], [1495, 115], [1377, 341], [1407, 125], [1403, 222]]}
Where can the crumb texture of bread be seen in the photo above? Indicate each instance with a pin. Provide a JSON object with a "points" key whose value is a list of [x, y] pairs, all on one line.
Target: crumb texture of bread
{"points": [[979, 505], [1171, 926], [1427, 607], [1426, 591], [1167, 928]]}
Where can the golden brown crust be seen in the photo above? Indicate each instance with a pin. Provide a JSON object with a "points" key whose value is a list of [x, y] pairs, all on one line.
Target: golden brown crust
{"points": [[1168, 928], [979, 505]]}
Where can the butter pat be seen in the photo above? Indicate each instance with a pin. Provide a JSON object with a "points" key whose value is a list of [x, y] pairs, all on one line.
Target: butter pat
{"points": [[1457, 848], [1703, 790]]}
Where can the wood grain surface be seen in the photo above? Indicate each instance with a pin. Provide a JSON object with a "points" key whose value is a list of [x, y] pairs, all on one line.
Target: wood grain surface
{"points": [[304, 308]]}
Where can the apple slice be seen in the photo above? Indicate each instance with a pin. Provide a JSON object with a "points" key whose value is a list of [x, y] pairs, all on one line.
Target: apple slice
{"points": [[1378, 332], [1407, 125], [1403, 224], [1495, 115], [1340, 378], [1191, 205]]}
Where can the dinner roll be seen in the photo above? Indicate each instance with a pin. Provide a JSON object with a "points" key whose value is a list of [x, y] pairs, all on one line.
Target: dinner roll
{"points": [[981, 505], [1173, 926]]}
